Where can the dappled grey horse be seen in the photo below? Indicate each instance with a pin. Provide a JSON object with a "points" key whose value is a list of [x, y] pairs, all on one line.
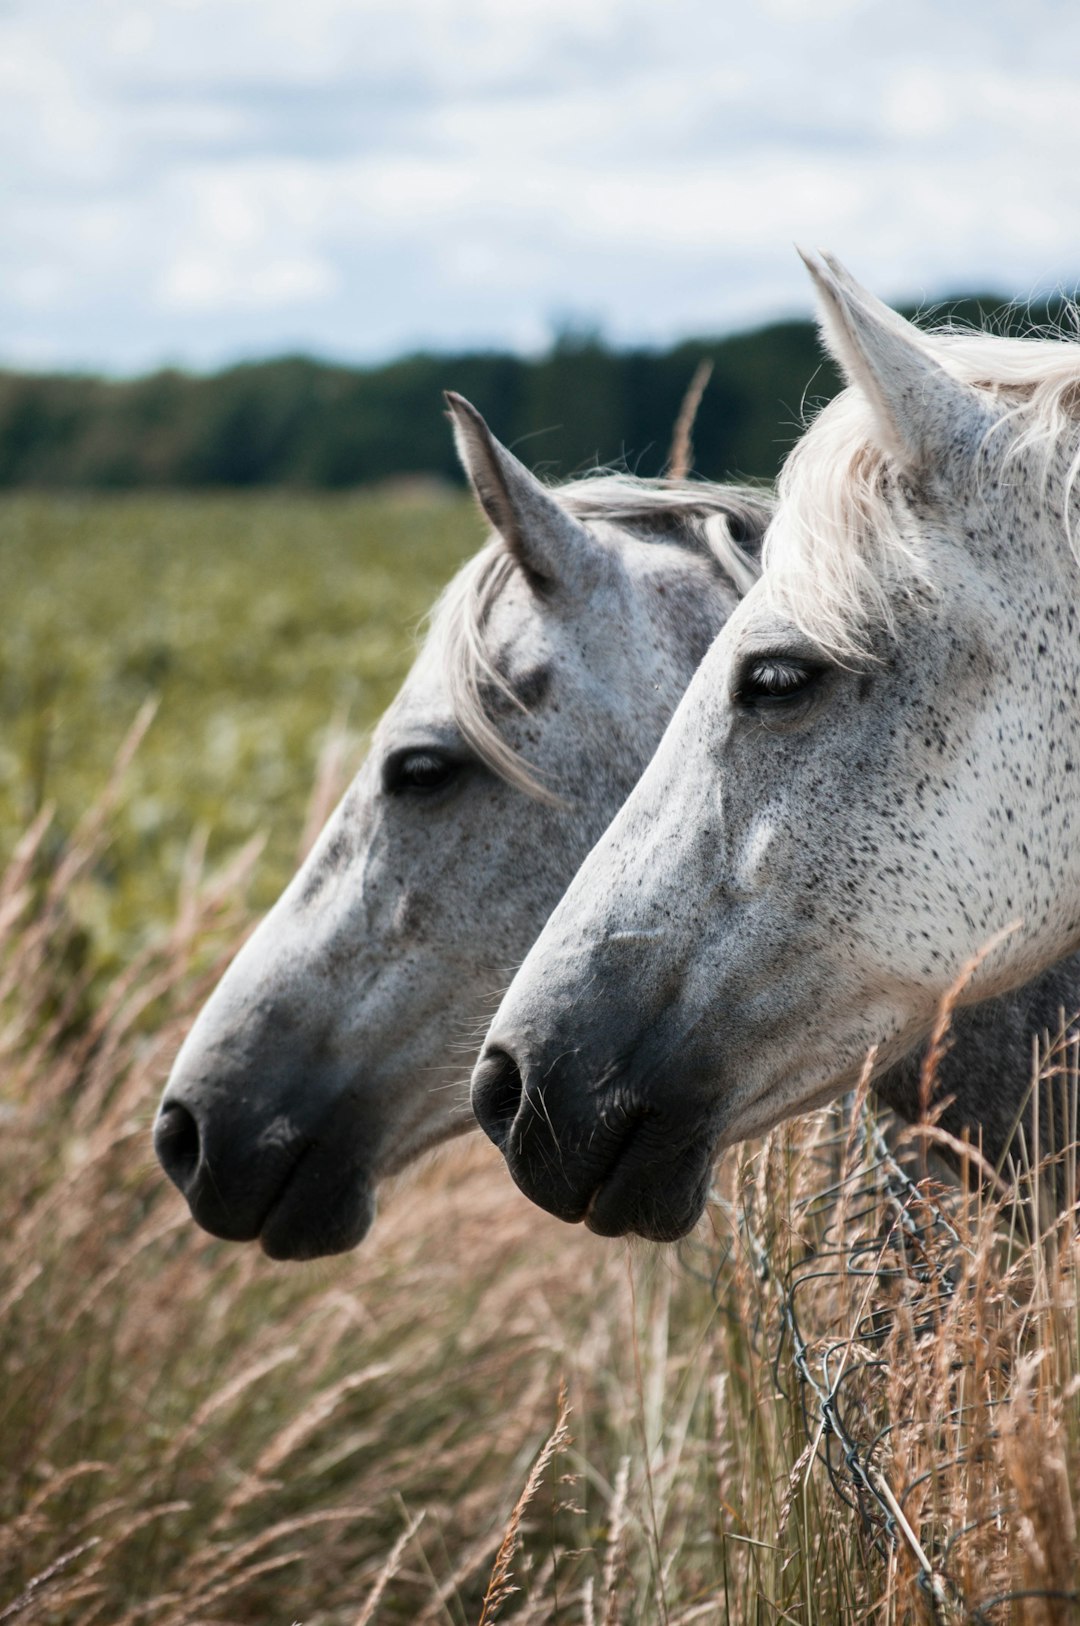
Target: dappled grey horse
{"points": [[870, 785], [338, 1045]]}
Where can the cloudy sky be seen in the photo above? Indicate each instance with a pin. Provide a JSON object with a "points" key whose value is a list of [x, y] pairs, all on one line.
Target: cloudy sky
{"points": [[200, 180]]}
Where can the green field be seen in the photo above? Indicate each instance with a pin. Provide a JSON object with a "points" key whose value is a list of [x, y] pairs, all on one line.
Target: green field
{"points": [[255, 622]]}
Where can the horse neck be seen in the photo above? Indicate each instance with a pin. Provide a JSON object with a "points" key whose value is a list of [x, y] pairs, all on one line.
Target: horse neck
{"points": [[984, 1074]]}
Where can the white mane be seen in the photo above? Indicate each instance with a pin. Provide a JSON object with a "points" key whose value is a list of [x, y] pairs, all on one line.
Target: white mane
{"points": [[694, 515], [834, 555]]}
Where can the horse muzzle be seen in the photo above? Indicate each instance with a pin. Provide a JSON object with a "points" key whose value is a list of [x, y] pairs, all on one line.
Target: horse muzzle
{"points": [[594, 1146], [301, 1191]]}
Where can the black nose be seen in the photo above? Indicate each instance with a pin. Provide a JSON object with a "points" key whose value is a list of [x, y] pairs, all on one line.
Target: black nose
{"points": [[497, 1089], [177, 1144]]}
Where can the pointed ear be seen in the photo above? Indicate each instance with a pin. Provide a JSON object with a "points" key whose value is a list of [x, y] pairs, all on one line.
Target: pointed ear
{"points": [[921, 409], [553, 548]]}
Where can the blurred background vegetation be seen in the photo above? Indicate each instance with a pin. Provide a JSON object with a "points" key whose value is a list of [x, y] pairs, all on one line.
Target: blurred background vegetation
{"points": [[257, 622], [310, 424]]}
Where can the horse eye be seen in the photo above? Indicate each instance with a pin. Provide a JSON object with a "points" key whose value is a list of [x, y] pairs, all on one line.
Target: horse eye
{"points": [[776, 678], [421, 771]]}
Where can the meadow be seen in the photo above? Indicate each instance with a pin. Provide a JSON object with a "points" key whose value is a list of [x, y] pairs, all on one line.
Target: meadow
{"points": [[255, 623], [481, 1414]]}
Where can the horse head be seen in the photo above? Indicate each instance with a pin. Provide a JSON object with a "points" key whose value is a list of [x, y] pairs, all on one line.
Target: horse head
{"points": [[338, 1045], [868, 787]]}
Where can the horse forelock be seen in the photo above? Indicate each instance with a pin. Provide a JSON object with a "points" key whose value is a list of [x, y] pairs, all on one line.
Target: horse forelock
{"points": [[835, 559], [697, 516]]}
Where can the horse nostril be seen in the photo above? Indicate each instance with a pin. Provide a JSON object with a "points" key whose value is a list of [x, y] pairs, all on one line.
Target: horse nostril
{"points": [[496, 1094], [176, 1142]]}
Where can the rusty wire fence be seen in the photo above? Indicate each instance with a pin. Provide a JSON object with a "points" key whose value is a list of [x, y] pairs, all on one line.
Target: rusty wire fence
{"points": [[932, 1351]]}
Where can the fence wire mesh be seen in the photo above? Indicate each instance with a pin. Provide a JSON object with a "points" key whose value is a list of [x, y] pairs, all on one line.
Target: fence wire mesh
{"points": [[907, 1311]]}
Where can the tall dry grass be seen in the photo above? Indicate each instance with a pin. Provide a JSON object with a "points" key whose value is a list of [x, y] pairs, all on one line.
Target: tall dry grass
{"points": [[483, 1415]]}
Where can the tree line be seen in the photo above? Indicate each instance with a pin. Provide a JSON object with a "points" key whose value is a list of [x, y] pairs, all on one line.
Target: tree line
{"points": [[301, 422]]}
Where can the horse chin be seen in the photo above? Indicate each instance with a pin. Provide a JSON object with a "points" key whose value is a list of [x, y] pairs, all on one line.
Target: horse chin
{"points": [[320, 1212], [660, 1204]]}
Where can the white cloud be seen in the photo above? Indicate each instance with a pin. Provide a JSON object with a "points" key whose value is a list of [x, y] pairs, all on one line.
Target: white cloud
{"points": [[222, 283], [810, 11]]}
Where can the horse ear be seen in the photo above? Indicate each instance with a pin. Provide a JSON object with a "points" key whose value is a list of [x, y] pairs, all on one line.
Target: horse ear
{"points": [[553, 548], [918, 405]]}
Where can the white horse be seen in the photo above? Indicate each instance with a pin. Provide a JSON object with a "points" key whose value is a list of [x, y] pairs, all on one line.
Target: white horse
{"points": [[338, 1045], [872, 778]]}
